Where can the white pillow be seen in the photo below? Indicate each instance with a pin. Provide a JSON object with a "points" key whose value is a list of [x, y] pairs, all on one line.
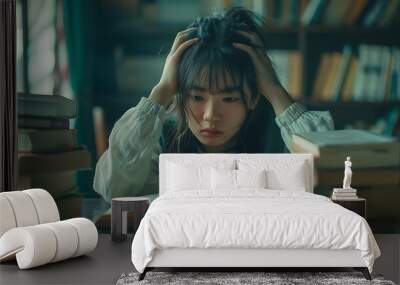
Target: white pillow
{"points": [[183, 178], [236, 179], [251, 178], [223, 179], [188, 176], [282, 175], [293, 180]]}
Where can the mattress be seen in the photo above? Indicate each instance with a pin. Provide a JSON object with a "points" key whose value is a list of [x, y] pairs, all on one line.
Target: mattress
{"points": [[250, 219]]}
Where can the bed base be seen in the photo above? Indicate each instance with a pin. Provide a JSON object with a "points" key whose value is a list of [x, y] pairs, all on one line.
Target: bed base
{"points": [[242, 259], [364, 270]]}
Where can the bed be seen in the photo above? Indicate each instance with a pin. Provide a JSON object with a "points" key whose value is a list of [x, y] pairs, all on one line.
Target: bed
{"points": [[245, 211]]}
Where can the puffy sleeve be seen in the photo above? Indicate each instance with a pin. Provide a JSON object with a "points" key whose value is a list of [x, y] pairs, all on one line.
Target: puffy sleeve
{"points": [[296, 119], [130, 165]]}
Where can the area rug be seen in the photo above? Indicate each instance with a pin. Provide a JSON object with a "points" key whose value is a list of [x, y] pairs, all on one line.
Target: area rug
{"points": [[242, 278]]}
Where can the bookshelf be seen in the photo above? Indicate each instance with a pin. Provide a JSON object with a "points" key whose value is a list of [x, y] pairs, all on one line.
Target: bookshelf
{"points": [[141, 39]]}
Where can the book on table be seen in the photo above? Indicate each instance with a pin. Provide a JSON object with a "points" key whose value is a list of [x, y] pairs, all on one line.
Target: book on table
{"points": [[46, 140], [43, 123], [46, 163], [57, 184], [366, 149], [347, 191], [344, 193], [336, 197], [47, 106]]}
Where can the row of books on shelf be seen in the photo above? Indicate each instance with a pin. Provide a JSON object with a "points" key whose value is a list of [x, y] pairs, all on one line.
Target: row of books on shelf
{"points": [[365, 13], [48, 154], [371, 75], [148, 68]]}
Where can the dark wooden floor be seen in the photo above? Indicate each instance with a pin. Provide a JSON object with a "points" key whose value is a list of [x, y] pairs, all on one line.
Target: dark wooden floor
{"points": [[103, 266]]}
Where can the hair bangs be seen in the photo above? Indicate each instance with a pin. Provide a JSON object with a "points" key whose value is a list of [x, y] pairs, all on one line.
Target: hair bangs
{"points": [[212, 70]]}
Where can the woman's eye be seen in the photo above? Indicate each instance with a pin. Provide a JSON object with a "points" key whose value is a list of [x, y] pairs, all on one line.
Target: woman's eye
{"points": [[196, 98], [231, 99]]}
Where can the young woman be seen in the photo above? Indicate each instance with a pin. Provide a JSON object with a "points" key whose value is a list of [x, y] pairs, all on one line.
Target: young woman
{"points": [[218, 93]]}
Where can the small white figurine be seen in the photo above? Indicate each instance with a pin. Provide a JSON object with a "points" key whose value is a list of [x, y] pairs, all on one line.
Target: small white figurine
{"points": [[347, 174]]}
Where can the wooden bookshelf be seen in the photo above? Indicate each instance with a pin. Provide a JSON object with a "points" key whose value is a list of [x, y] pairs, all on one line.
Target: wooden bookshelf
{"points": [[139, 36]]}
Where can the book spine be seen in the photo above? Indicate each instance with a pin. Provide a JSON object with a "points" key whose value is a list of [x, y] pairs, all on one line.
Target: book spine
{"points": [[359, 80], [340, 78], [43, 123], [344, 198]]}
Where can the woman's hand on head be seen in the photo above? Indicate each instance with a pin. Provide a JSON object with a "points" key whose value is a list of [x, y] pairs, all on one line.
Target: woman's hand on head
{"points": [[267, 81], [164, 91]]}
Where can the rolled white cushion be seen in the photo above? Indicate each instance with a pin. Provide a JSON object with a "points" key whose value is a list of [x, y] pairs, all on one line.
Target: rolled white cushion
{"points": [[87, 235], [23, 208], [33, 245], [45, 243], [45, 205], [7, 218], [66, 238]]}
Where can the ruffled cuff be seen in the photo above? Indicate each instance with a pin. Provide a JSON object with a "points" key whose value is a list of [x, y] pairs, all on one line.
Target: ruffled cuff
{"points": [[291, 114], [147, 107]]}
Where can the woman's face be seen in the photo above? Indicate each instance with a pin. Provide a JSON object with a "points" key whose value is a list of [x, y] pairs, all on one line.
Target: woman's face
{"points": [[216, 116]]}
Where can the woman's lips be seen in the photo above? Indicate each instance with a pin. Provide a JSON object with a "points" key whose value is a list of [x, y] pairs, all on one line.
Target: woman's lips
{"points": [[211, 133]]}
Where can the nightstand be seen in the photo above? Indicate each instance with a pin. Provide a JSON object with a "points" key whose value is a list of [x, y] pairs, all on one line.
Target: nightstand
{"points": [[119, 210], [358, 205]]}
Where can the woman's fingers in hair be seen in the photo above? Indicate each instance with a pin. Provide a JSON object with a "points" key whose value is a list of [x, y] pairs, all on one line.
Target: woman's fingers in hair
{"points": [[181, 37], [249, 50], [254, 39], [181, 48]]}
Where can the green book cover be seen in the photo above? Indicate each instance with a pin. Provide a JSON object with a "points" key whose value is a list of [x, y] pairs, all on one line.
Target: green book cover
{"points": [[349, 137], [366, 149]]}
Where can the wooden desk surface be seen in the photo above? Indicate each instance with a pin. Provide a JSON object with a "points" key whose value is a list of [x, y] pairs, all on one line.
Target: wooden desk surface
{"points": [[102, 266]]}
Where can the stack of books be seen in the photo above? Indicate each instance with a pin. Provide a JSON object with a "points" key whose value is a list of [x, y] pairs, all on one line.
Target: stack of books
{"points": [[344, 194], [375, 158], [366, 149], [48, 154], [375, 167]]}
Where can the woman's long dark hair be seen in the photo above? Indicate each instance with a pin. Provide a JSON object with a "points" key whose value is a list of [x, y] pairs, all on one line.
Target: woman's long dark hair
{"points": [[214, 58]]}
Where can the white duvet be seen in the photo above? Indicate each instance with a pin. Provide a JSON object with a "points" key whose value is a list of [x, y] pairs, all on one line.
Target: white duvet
{"points": [[252, 218]]}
